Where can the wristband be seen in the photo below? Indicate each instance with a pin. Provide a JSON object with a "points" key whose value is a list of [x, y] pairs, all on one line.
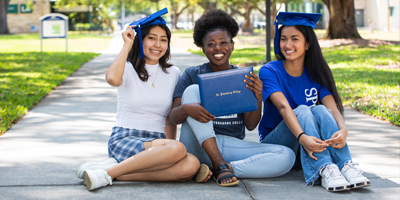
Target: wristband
{"points": [[298, 138]]}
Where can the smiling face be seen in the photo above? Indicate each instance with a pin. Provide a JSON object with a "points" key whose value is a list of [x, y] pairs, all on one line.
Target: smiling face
{"points": [[293, 44], [155, 44], [218, 49]]}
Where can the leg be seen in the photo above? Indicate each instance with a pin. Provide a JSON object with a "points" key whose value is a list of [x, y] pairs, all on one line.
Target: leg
{"points": [[204, 135], [153, 158], [328, 127], [282, 135], [159, 154], [255, 160], [182, 170]]}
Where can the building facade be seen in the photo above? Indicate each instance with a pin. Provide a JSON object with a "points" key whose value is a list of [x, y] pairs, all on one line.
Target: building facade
{"points": [[23, 17]]}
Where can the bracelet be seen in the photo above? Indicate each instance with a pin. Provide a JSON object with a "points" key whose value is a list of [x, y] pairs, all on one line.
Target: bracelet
{"points": [[298, 138]]}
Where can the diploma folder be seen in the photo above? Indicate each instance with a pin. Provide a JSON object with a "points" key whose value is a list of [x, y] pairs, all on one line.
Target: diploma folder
{"points": [[224, 93]]}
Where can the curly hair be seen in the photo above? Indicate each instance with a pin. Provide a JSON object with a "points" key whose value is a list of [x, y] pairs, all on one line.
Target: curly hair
{"points": [[214, 20]]}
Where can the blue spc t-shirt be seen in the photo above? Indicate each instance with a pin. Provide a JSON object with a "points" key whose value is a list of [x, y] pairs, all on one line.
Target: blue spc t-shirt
{"points": [[300, 90], [231, 125]]}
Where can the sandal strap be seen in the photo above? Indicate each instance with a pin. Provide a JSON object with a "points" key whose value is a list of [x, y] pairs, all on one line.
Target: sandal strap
{"points": [[221, 169], [225, 176]]}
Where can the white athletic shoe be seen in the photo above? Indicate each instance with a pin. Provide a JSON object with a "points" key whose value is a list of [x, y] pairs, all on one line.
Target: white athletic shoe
{"points": [[354, 176], [332, 180], [105, 164], [96, 178]]}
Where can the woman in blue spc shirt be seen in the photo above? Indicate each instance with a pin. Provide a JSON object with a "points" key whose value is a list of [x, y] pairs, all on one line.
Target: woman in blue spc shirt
{"points": [[303, 108]]}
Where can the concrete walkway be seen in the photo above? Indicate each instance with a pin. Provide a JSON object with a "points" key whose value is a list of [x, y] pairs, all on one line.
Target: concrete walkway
{"points": [[39, 155]]}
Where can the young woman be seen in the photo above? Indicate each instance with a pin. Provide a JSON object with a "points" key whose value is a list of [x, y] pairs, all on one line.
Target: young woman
{"points": [[218, 142], [302, 107], [142, 146]]}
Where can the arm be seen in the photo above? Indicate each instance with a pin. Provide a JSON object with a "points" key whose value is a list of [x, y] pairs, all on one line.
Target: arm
{"points": [[116, 70], [338, 139], [170, 130], [180, 112], [251, 119], [311, 144]]}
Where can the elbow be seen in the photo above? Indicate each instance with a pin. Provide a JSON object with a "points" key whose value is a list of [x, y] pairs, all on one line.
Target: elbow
{"points": [[113, 81]]}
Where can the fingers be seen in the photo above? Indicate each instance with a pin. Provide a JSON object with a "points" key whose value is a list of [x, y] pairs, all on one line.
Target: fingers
{"points": [[254, 84], [312, 156]]}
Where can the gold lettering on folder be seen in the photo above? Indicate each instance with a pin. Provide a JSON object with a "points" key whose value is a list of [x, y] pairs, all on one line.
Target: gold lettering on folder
{"points": [[228, 93]]}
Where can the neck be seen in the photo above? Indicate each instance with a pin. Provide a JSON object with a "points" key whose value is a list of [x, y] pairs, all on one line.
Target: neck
{"points": [[294, 68], [217, 68]]}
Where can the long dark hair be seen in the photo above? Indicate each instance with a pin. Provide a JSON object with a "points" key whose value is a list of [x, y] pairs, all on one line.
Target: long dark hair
{"points": [[315, 62], [138, 63]]}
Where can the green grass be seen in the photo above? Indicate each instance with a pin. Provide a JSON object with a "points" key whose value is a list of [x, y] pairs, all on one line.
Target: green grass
{"points": [[360, 83], [77, 42], [26, 75], [25, 78]]}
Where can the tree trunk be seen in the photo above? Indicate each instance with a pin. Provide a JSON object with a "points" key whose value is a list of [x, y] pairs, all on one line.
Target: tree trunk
{"points": [[176, 15], [247, 26], [3, 16], [207, 5], [342, 22]]}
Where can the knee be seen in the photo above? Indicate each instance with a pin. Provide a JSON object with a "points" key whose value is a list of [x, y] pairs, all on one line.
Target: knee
{"points": [[191, 94], [320, 109], [176, 151], [190, 167], [288, 160], [303, 111]]}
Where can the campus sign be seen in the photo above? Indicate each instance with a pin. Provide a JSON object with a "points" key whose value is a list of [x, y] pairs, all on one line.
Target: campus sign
{"points": [[12, 8], [54, 25]]}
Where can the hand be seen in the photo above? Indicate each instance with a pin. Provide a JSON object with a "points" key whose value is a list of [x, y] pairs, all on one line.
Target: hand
{"points": [[128, 35], [254, 85], [312, 144], [198, 112], [338, 139]]}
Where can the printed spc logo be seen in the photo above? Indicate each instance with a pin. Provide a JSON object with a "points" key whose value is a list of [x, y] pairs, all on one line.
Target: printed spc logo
{"points": [[312, 95]]}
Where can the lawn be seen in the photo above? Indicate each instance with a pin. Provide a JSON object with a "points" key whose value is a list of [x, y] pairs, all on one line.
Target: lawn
{"points": [[77, 42], [361, 78], [27, 75]]}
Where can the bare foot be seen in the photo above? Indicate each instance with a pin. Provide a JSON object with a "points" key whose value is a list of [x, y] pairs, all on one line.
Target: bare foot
{"points": [[208, 177]]}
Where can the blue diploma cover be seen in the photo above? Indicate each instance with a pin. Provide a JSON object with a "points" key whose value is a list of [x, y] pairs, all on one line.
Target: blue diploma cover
{"points": [[224, 93]]}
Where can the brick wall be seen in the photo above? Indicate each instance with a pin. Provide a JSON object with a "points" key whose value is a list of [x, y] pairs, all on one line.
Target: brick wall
{"points": [[22, 22]]}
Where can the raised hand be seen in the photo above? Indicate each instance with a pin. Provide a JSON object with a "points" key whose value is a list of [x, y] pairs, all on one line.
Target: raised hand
{"points": [[128, 35]]}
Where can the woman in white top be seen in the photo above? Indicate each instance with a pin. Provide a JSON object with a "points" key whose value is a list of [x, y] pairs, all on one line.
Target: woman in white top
{"points": [[142, 146]]}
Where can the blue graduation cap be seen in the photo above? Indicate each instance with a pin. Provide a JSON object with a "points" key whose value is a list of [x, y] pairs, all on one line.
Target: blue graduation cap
{"points": [[291, 19], [152, 19]]}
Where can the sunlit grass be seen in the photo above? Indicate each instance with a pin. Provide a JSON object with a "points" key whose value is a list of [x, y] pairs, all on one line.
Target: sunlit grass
{"points": [[76, 43]]}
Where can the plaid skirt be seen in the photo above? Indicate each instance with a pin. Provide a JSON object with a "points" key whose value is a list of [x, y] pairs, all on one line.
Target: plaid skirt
{"points": [[125, 142]]}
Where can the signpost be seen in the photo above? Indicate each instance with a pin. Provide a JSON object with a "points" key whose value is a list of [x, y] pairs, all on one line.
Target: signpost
{"points": [[54, 25]]}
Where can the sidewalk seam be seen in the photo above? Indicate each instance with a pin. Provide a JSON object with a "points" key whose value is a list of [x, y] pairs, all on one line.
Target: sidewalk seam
{"points": [[247, 189]]}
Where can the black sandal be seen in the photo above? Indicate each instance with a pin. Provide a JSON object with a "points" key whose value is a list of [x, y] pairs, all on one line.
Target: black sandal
{"points": [[221, 169]]}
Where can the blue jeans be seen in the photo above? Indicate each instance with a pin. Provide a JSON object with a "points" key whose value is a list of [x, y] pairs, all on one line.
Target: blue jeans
{"points": [[248, 159], [318, 122]]}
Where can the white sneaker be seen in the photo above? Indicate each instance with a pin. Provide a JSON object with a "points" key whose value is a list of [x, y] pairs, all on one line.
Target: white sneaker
{"points": [[332, 180], [96, 178], [354, 176], [105, 164]]}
